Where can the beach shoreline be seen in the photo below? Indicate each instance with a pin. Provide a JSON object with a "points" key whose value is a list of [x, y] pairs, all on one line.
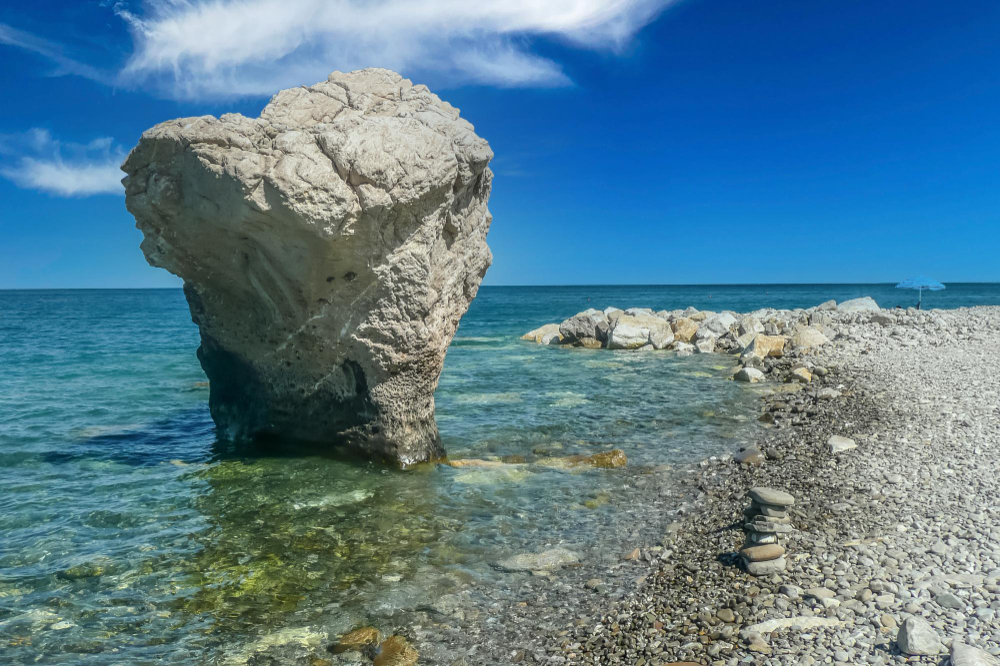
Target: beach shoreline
{"points": [[886, 529]]}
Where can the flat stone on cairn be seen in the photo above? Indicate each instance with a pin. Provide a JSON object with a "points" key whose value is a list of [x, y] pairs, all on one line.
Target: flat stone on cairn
{"points": [[767, 517], [771, 496]]}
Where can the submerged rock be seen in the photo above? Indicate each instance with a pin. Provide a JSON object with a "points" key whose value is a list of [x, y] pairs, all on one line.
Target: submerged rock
{"points": [[396, 651], [328, 250], [605, 459], [549, 560], [357, 639], [544, 335]]}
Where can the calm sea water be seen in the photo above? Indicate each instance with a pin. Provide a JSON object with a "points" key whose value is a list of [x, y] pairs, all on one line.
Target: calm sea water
{"points": [[130, 536]]}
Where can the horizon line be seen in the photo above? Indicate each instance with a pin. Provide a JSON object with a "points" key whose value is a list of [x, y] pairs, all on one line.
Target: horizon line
{"points": [[537, 286]]}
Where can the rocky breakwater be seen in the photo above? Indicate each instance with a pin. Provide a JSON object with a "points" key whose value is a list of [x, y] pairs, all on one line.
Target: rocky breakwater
{"points": [[769, 343], [328, 250]]}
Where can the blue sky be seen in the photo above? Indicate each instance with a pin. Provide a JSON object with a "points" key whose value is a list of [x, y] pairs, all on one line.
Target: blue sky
{"points": [[636, 141]]}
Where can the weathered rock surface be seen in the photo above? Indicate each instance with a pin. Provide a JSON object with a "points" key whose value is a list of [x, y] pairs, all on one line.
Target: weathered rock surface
{"points": [[328, 250], [863, 304], [589, 324], [751, 375], [917, 637], [544, 335], [808, 337], [549, 560], [632, 331], [967, 655], [840, 444], [357, 640], [684, 329], [396, 651], [771, 496], [764, 346]]}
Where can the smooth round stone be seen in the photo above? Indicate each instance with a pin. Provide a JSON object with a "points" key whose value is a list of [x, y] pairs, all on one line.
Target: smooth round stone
{"points": [[749, 456], [772, 496], [762, 553], [765, 568]]}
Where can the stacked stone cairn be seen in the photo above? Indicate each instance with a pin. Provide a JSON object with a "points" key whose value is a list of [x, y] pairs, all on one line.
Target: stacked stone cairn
{"points": [[766, 518]]}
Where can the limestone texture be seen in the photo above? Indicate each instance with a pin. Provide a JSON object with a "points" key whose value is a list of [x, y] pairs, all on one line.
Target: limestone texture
{"points": [[328, 250]]}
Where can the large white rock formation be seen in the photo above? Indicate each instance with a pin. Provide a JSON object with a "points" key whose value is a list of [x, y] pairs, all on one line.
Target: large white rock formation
{"points": [[328, 250]]}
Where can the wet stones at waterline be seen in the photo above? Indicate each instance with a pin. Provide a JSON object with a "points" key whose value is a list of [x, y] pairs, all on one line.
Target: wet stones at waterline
{"points": [[766, 518]]}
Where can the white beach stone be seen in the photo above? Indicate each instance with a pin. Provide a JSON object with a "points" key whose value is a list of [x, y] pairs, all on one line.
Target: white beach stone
{"points": [[635, 331], [804, 622], [917, 637], [718, 324], [587, 324], [967, 655], [840, 444], [750, 375], [705, 345], [773, 496], [808, 337], [863, 304]]}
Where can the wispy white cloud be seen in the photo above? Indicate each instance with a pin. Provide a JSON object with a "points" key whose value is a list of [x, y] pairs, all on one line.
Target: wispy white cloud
{"points": [[53, 52], [196, 49], [39, 162], [217, 49]]}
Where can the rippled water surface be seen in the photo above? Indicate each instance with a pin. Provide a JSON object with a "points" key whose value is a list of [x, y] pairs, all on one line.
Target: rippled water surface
{"points": [[129, 535]]}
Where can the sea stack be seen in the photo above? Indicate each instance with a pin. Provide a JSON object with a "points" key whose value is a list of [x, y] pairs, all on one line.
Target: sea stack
{"points": [[328, 250]]}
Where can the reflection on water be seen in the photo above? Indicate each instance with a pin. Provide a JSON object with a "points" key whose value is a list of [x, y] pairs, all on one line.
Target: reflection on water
{"points": [[130, 535]]}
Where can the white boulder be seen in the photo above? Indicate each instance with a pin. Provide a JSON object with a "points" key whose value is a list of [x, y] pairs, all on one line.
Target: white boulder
{"points": [[543, 335], [840, 444], [328, 250], [635, 331], [587, 324], [863, 304], [808, 337], [967, 655], [718, 324], [749, 375], [917, 637]]}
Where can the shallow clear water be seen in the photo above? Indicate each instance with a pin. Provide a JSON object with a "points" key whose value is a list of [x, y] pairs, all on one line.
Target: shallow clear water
{"points": [[130, 535]]}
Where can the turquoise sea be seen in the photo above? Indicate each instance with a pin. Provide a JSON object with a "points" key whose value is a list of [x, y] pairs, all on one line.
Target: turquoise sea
{"points": [[129, 535]]}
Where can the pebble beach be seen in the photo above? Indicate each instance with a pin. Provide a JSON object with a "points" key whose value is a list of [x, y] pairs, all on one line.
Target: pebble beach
{"points": [[892, 453]]}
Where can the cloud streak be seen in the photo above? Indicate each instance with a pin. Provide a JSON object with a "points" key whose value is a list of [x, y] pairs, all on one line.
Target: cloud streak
{"points": [[63, 169], [53, 52], [204, 49]]}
